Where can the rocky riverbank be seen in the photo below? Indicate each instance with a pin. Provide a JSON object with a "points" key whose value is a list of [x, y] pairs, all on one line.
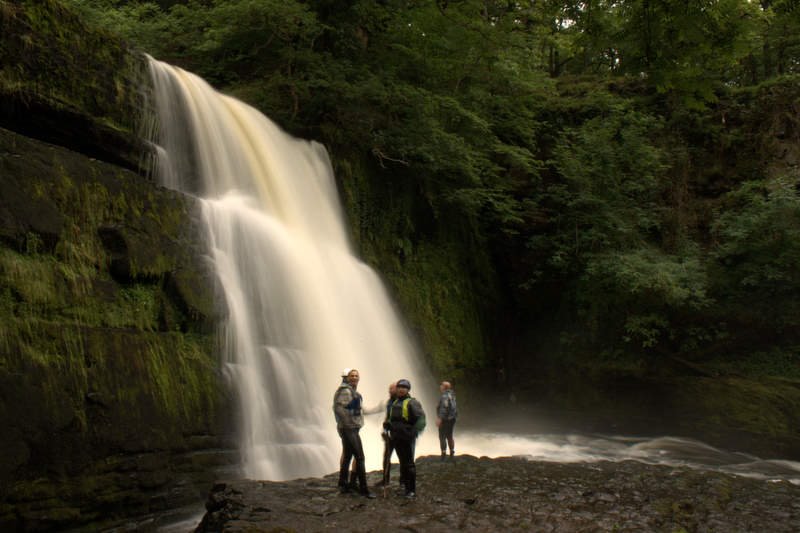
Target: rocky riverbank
{"points": [[514, 494]]}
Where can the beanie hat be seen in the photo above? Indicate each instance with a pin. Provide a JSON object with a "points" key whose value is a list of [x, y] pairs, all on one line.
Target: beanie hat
{"points": [[346, 372], [403, 383]]}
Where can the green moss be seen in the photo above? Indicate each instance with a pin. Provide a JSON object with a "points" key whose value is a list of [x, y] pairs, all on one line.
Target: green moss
{"points": [[431, 264], [34, 278], [36, 489], [435, 291], [47, 51], [177, 372], [183, 376], [94, 358], [767, 407]]}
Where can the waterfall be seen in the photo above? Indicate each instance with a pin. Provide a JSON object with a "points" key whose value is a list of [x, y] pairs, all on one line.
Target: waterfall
{"points": [[301, 305]]}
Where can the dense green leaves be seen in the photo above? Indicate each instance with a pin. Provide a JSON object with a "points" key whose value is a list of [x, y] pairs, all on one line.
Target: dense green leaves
{"points": [[687, 48], [611, 171], [758, 255], [588, 151]]}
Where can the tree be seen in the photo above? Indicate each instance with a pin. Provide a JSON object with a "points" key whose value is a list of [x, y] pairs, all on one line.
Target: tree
{"points": [[685, 48], [757, 256]]}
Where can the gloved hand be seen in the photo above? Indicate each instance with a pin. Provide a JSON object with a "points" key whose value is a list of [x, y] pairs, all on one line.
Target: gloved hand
{"points": [[387, 426]]}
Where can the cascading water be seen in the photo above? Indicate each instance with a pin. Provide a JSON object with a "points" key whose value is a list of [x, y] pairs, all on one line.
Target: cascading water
{"points": [[300, 305]]}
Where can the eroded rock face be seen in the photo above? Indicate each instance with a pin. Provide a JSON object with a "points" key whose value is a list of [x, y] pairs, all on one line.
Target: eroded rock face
{"points": [[109, 382], [513, 494]]}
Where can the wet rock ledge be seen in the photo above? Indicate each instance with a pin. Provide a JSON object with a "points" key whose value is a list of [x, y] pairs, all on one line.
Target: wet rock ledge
{"points": [[513, 494]]}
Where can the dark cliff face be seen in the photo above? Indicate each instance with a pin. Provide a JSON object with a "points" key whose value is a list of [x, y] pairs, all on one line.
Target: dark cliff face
{"points": [[111, 401], [66, 83]]}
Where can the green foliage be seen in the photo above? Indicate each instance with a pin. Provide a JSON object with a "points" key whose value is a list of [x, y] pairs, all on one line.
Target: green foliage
{"points": [[775, 49], [758, 252], [611, 171], [222, 41], [606, 225], [783, 361], [642, 293], [650, 274], [580, 149], [686, 48]]}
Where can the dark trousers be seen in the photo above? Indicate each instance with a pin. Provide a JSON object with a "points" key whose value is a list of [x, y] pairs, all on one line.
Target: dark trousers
{"points": [[351, 448], [446, 435], [408, 470]]}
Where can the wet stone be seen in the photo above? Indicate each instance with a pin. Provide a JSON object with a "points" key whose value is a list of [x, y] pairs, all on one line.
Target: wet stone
{"points": [[515, 495]]}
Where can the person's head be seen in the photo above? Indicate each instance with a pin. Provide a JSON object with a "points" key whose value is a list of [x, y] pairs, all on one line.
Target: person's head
{"points": [[353, 377], [393, 388], [445, 385], [402, 388]]}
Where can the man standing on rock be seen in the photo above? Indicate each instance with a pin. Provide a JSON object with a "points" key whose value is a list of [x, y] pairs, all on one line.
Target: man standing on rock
{"points": [[349, 420], [406, 421], [446, 413]]}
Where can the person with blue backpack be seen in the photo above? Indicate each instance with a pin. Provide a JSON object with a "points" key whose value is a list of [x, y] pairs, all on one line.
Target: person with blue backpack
{"points": [[349, 413], [446, 414]]}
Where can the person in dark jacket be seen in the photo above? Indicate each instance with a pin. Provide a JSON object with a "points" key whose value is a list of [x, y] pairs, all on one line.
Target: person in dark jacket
{"points": [[446, 414], [349, 420], [406, 421]]}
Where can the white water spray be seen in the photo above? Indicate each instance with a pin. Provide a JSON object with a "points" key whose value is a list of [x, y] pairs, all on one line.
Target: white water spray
{"points": [[301, 305]]}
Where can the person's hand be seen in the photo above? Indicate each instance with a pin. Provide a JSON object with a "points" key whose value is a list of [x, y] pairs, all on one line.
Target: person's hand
{"points": [[387, 426], [438, 422]]}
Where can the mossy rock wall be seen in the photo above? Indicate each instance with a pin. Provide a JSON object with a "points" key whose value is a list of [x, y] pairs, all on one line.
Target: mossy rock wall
{"points": [[107, 320], [69, 84], [111, 397]]}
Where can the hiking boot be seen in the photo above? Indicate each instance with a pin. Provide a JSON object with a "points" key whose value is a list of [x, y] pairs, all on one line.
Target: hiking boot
{"points": [[410, 495], [368, 495], [444, 456]]}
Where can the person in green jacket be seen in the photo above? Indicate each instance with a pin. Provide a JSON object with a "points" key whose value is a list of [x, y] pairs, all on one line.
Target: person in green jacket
{"points": [[406, 421]]}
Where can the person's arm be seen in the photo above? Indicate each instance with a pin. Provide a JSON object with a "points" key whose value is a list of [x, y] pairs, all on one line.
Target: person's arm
{"points": [[379, 408], [420, 424]]}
